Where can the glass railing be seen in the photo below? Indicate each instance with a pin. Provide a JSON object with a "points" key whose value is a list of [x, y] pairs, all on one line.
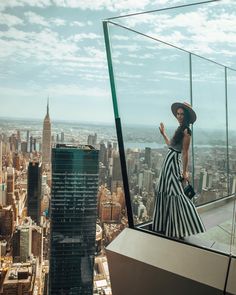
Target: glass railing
{"points": [[231, 90], [147, 75]]}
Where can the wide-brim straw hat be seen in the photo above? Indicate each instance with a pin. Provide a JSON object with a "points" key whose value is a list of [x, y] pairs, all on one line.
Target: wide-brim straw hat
{"points": [[192, 115]]}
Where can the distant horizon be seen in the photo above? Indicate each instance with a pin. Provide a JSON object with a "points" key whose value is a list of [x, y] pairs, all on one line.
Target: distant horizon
{"points": [[55, 120], [108, 124]]}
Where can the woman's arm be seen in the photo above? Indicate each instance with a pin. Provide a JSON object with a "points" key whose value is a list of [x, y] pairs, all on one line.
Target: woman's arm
{"points": [[162, 131], [186, 143]]}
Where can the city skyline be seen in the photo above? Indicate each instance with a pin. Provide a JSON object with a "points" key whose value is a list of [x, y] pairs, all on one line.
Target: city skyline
{"points": [[56, 49], [213, 179]]}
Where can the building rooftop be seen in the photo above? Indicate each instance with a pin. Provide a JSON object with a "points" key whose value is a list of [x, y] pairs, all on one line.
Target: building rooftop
{"points": [[73, 146]]}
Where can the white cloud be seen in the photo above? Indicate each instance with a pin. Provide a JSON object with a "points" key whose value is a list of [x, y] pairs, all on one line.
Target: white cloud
{"points": [[82, 36], [200, 30], [170, 3], [143, 56], [43, 45], [120, 37], [93, 77], [129, 63], [122, 5], [49, 48], [19, 3], [77, 24], [14, 33], [10, 20], [172, 75], [58, 22], [128, 47], [36, 19], [124, 75], [176, 38], [111, 5]]}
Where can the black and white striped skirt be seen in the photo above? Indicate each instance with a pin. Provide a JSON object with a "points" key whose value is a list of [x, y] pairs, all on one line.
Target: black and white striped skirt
{"points": [[174, 214]]}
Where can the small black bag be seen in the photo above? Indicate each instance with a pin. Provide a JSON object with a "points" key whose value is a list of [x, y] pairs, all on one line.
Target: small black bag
{"points": [[189, 191]]}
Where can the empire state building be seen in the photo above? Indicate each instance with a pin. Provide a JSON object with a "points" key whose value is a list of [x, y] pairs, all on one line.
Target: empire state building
{"points": [[46, 144]]}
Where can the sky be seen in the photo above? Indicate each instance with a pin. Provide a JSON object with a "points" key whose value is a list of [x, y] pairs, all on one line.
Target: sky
{"points": [[55, 49]]}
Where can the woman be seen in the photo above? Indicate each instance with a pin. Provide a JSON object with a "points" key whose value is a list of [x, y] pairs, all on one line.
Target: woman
{"points": [[174, 214]]}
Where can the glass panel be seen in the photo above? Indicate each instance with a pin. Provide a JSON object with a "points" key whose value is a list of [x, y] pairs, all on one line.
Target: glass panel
{"points": [[149, 76], [231, 83], [210, 154]]}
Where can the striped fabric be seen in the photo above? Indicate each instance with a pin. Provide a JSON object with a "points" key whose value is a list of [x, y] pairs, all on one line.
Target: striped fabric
{"points": [[174, 214]]}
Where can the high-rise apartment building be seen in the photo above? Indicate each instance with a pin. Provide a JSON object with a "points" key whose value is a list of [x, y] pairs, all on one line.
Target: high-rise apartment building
{"points": [[27, 241], [73, 219], [46, 146], [31, 144], [22, 241], [10, 185], [34, 191], [7, 223], [116, 168], [116, 172], [92, 139], [62, 137], [16, 161], [24, 145], [148, 176], [147, 156], [103, 154]]}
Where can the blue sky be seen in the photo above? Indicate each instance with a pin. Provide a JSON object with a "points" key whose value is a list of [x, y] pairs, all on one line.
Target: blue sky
{"points": [[55, 48]]}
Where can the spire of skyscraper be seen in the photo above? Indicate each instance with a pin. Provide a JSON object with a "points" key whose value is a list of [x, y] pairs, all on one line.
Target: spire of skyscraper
{"points": [[48, 107], [46, 142]]}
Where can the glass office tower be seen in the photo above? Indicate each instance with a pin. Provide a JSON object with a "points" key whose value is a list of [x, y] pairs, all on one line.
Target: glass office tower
{"points": [[73, 219], [34, 191]]}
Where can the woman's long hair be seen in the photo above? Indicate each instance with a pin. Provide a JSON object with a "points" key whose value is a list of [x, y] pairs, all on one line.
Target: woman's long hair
{"points": [[179, 133]]}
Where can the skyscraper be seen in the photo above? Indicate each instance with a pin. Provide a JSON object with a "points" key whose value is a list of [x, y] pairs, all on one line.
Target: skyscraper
{"points": [[148, 176], [34, 191], [116, 172], [46, 147], [10, 185], [148, 156], [31, 143], [103, 154], [22, 242], [0, 161], [73, 219], [62, 136]]}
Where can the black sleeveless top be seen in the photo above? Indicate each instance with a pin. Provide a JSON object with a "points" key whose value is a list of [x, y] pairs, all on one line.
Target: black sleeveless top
{"points": [[177, 146]]}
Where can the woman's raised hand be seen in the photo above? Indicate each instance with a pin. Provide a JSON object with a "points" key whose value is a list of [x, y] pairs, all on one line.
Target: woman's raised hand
{"points": [[162, 128]]}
